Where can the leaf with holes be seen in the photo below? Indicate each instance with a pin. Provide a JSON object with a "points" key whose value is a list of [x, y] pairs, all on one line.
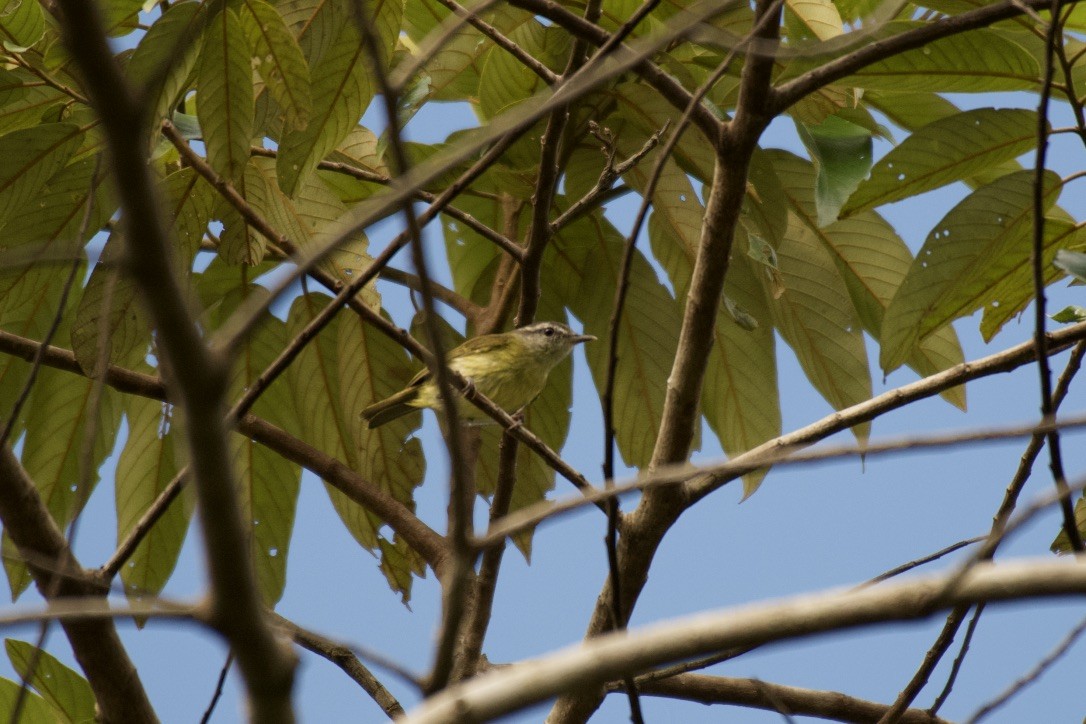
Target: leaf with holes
{"points": [[979, 242], [947, 150]]}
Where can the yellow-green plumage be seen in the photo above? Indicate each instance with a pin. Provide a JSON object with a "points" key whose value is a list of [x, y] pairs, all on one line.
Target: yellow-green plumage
{"points": [[510, 368]]}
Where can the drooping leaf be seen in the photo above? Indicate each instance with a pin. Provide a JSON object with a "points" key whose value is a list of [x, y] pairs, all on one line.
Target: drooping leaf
{"points": [[62, 687], [278, 60], [971, 249], [841, 152], [873, 261], [585, 270], [947, 150], [225, 106], [341, 91], [57, 422], [110, 305], [268, 483], [148, 462], [816, 319]]}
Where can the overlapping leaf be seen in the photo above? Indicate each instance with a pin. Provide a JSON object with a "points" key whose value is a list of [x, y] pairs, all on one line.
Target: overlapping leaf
{"points": [[278, 60], [35, 709], [29, 158], [841, 152], [22, 24], [947, 150], [167, 55], [873, 261], [972, 248]]}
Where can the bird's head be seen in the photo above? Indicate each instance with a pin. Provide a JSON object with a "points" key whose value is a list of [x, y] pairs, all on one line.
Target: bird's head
{"points": [[550, 340]]}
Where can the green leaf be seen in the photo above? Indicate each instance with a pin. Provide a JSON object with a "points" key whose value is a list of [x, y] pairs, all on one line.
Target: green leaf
{"points": [[947, 150], [341, 92], [225, 103], [278, 60], [978, 61], [473, 260], [506, 82], [62, 687], [35, 709], [317, 389], [22, 26], [58, 222], [873, 261], [972, 248], [166, 56], [1014, 291], [110, 295], [1071, 314], [816, 319], [28, 100], [268, 483], [148, 462], [548, 417], [841, 152], [584, 268], [1061, 544], [29, 158]]}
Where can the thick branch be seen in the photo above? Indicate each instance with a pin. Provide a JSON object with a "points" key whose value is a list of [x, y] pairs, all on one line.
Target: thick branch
{"points": [[613, 656]]}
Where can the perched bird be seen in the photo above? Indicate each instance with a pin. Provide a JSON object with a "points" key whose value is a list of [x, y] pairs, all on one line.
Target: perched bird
{"points": [[509, 368]]}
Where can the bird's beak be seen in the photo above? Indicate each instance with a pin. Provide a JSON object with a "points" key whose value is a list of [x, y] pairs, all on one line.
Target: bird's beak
{"points": [[583, 338]]}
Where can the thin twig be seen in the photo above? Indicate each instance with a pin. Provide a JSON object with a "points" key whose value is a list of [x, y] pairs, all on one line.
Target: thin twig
{"points": [[217, 694]]}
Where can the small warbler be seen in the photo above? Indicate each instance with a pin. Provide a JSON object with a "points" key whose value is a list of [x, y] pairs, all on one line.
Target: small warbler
{"points": [[509, 368]]}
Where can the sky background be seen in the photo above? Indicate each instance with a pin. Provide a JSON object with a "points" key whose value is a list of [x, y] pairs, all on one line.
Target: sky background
{"points": [[806, 529]]}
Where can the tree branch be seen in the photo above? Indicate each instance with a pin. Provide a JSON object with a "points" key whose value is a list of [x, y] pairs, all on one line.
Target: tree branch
{"points": [[503, 691]]}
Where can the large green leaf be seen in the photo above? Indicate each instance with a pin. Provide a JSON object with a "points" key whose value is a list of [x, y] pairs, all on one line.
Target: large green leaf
{"points": [[317, 388], [873, 261], [225, 106], [584, 267], [58, 222], [505, 81], [148, 462], [278, 60], [977, 61], [818, 19], [947, 150], [815, 316], [62, 687], [341, 91], [978, 243], [268, 483], [548, 417], [29, 158]]}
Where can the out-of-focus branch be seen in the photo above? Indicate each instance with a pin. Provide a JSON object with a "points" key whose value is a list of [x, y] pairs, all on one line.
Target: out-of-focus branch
{"points": [[267, 664], [612, 656]]}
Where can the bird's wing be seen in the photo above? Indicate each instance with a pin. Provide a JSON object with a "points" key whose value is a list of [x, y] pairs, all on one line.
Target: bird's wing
{"points": [[475, 345]]}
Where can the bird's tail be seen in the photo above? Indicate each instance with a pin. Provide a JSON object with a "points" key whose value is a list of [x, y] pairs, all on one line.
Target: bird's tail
{"points": [[390, 408]]}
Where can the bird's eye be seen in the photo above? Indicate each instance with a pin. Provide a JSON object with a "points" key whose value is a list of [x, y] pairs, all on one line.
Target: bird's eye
{"points": [[548, 331]]}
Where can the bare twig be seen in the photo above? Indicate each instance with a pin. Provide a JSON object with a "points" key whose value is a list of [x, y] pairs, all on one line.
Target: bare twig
{"points": [[219, 684]]}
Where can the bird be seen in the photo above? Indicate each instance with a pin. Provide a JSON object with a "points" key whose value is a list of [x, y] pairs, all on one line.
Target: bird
{"points": [[509, 368]]}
